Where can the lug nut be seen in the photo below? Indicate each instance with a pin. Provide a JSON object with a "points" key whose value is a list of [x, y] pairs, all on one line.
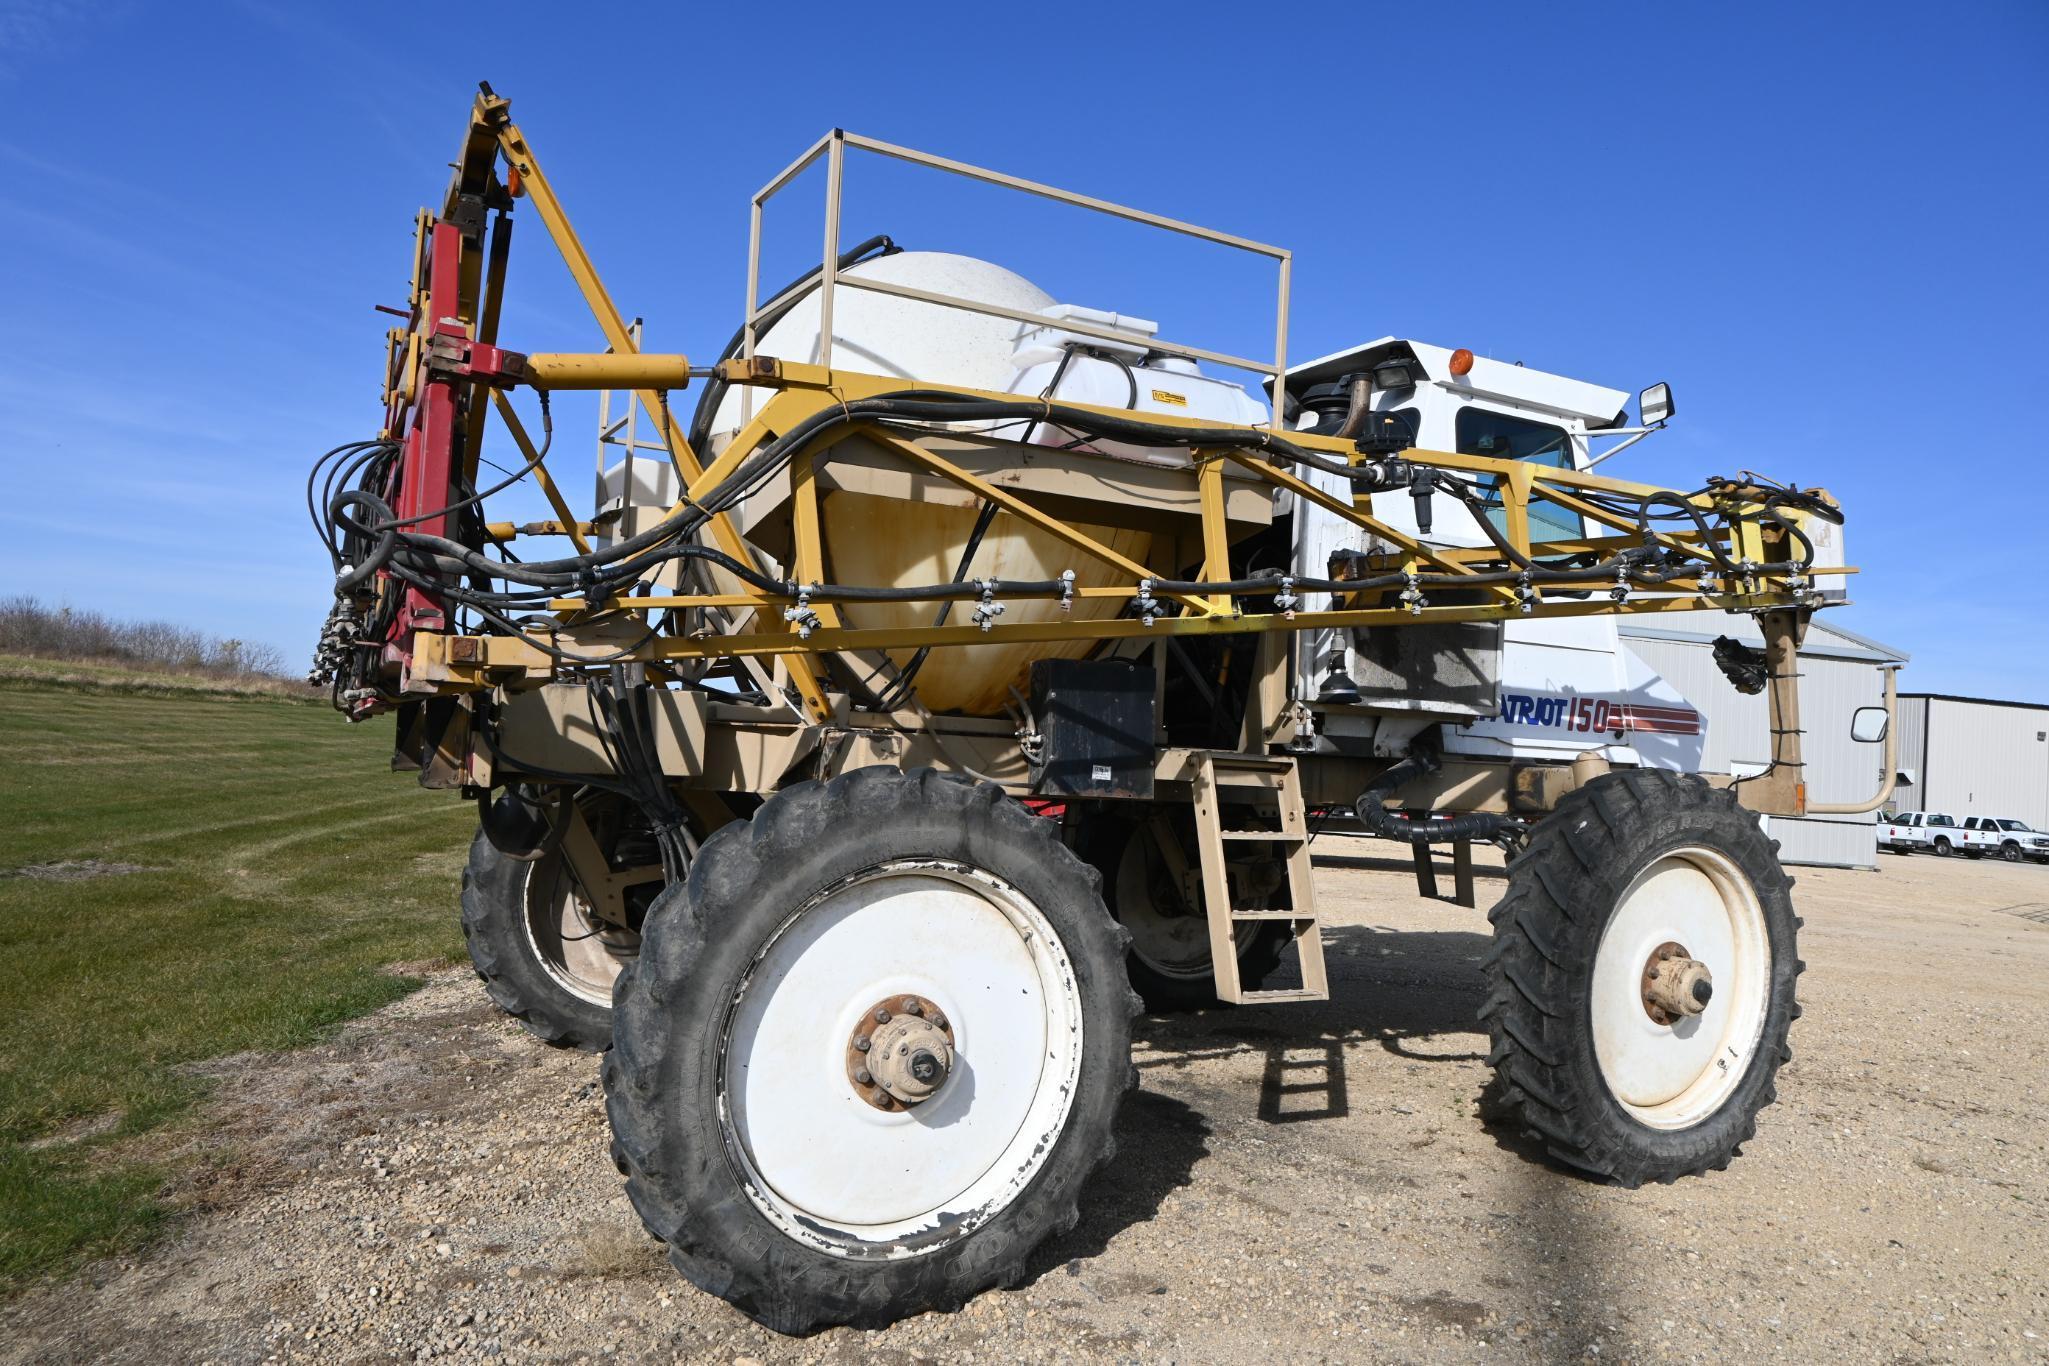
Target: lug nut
{"points": [[882, 1014], [938, 1020], [884, 1100], [861, 1076], [863, 1043], [911, 1006]]}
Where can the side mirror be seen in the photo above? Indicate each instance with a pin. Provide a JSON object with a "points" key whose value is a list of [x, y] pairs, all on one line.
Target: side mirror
{"points": [[1868, 725], [1654, 405]]}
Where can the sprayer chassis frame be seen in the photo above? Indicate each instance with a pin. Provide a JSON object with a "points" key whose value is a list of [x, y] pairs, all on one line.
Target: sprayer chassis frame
{"points": [[457, 291], [464, 664]]}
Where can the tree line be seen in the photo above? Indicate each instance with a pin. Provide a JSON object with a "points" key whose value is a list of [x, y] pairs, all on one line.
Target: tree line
{"points": [[29, 627]]}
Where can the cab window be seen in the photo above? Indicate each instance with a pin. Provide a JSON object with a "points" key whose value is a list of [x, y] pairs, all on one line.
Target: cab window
{"points": [[1504, 437], [1940, 820]]}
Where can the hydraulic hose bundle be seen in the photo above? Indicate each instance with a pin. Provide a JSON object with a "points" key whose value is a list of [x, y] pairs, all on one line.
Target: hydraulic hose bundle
{"points": [[366, 536], [1506, 831]]}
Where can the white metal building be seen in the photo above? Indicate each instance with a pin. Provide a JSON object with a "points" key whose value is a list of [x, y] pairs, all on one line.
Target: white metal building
{"points": [[1840, 672], [1971, 756]]}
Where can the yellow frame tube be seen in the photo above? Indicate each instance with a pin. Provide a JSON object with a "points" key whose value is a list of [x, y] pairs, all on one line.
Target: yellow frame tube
{"points": [[510, 652], [1011, 503], [603, 370], [490, 112]]}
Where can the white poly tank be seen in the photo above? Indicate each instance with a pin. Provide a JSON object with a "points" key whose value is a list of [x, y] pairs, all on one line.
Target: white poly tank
{"points": [[879, 334], [873, 540]]}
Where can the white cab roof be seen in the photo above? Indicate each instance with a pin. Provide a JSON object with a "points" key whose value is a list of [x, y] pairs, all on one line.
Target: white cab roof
{"points": [[1594, 404]]}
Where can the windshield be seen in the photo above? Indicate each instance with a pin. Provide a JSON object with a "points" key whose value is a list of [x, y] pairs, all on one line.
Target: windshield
{"points": [[1480, 432]]}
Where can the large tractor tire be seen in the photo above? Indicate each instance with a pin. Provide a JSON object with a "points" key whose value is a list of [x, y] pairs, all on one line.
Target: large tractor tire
{"points": [[1642, 975], [545, 957], [871, 1050], [1146, 865]]}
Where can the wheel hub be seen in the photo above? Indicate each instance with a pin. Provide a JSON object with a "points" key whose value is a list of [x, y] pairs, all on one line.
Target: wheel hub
{"points": [[900, 1053], [1675, 984]]}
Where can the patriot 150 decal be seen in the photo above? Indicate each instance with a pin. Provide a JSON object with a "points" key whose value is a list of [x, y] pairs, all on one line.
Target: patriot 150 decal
{"points": [[1591, 714]]}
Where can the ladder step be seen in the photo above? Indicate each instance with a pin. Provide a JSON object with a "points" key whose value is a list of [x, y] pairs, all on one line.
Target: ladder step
{"points": [[1275, 782], [1254, 998]]}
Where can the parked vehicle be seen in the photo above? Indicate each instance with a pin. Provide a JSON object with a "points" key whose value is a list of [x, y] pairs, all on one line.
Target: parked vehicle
{"points": [[784, 847], [1933, 832], [2012, 840]]}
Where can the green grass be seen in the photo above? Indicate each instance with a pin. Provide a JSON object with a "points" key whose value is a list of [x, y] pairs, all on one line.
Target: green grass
{"points": [[110, 676], [284, 867]]}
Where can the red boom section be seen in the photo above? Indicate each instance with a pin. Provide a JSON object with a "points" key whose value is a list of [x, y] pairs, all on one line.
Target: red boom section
{"points": [[426, 475]]}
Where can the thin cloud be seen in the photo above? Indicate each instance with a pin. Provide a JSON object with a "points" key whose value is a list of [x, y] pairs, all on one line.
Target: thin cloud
{"points": [[32, 30]]}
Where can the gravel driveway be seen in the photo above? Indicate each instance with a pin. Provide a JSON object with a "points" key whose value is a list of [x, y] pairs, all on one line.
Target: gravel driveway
{"points": [[1292, 1182]]}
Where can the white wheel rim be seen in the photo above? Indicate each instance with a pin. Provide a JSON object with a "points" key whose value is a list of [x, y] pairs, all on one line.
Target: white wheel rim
{"points": [[579, 952], [1172, 945], [1675, 1076], [823, 1164]]}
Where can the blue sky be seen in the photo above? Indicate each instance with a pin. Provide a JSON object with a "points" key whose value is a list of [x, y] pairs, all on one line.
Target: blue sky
{"points": [[1804, 217]]}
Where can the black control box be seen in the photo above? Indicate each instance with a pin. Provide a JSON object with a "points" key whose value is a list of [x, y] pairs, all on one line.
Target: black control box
{"points": [[1095, 720]]}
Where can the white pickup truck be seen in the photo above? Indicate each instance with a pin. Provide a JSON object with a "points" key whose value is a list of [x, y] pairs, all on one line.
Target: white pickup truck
{"points": [[1934, 833], [2011, 839]]}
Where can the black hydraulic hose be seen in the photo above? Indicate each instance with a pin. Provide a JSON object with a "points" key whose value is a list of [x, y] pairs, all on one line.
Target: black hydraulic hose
{"points": [[1130, 375], [343, 456], [424, 559], [1476, 506], [629, 735], [920, 405], [714, 392], [906, 676], [938, 406], [1665, 498], [366, 469], [924, 405], [1770, 512], [507, 626], [1052, 386], [454, 555], [385, 538], [1422, 761], [547, 440]]}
